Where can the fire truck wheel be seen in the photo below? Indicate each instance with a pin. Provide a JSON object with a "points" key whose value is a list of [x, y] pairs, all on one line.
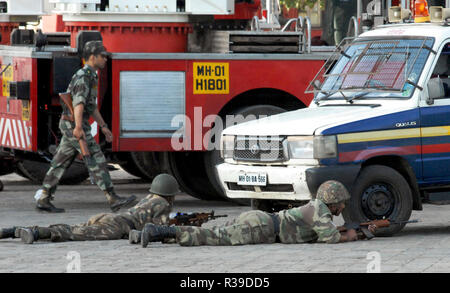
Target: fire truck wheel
{"points": [[186, 167], [128, 165], [213, 158], [35, 171], [380, 192], [6, 167], [147, 163], [141, 164]]}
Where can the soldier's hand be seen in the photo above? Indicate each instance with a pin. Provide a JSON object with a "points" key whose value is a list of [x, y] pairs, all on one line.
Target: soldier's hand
{"points": [[372, 228], [78, 133], [108, 134], [352, 235]]}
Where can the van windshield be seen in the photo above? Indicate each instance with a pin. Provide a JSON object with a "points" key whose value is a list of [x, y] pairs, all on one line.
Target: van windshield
{"points": [[382, 68]]}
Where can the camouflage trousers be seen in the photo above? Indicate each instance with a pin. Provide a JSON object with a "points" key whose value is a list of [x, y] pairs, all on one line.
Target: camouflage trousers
{"points": [[99, 227], [252, 227], [66, 153]]}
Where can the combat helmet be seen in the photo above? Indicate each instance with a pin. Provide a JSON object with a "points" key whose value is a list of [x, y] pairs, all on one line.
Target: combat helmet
{"points": [[164, 185], [332, 191]]}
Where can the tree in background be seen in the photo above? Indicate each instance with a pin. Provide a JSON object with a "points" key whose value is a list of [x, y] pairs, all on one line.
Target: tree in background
{"points": [[300, 4]]}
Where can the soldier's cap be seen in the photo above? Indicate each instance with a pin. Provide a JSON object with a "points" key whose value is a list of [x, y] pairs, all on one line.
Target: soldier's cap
{"points": [[332, 191], [95, 48]]}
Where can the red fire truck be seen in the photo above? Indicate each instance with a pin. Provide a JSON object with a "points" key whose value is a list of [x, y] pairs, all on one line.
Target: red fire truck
{"points": [[179, 72]]}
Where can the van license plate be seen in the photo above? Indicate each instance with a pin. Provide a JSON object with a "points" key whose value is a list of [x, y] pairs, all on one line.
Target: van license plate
{"points": [[259, 179]]}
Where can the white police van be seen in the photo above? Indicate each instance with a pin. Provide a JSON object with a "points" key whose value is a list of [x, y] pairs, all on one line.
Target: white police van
{"points": [[379, 123]]}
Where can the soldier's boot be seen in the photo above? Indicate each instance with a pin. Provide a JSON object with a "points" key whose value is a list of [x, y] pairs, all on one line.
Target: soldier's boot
{"points": [[134, 237], [44, 204], [116, 202], [29, 235], [154, 233], [7, 233]]}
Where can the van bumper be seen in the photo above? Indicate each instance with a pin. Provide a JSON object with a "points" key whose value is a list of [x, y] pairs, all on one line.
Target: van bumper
{"points": [[283, 182]]}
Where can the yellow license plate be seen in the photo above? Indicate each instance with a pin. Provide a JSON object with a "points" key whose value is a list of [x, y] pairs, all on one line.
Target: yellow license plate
{"points": [[211, 78]]}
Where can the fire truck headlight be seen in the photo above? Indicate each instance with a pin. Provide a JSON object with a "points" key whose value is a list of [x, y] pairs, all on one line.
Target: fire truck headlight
{"points": [[227, 146]]}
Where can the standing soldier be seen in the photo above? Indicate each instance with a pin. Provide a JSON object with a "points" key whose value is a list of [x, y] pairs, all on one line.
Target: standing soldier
{"points": [[83, 89], [309, 223], [155, 208]]}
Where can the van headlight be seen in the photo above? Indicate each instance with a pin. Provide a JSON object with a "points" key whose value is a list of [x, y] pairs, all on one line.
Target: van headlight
{"points": [[227, 146], [301, 147], [312, 147], [325, 146]]}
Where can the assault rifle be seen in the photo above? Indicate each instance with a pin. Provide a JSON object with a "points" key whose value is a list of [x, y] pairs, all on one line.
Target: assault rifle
{"points": [[193, 219], [362, 228], [86, 155]]}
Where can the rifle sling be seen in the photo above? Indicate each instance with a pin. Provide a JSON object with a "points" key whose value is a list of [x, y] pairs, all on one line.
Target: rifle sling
{"points": [[129, 223], [67, 117]]}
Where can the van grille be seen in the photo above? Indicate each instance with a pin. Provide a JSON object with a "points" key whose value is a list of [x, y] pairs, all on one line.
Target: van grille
{"points": [[259, 149]]}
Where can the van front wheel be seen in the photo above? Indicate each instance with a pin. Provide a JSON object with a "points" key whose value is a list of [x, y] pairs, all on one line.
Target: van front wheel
{"points": [[380, 192]]}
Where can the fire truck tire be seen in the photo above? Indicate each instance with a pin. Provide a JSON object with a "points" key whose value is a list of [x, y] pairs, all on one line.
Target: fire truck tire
{"points": [[20, 173], [147, 163], [129, 166], [191, 175], [35, 171], [144, 165], [379, 192], [213, 158], [6, 167]]}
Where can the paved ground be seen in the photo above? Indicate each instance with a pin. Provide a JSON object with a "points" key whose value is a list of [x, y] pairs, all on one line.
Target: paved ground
{"points": [[422, 247]]}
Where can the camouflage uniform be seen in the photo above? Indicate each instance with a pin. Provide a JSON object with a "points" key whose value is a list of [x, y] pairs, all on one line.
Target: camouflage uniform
{"points": [[309, 223], [312, 222], [83, 88], [107, 226]]}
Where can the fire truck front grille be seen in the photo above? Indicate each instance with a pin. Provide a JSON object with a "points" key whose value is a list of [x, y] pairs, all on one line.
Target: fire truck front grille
{"points": [[259, 149]]}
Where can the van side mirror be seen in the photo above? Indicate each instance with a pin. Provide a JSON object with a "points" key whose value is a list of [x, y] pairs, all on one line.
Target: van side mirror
{"points": [[435, 90]]}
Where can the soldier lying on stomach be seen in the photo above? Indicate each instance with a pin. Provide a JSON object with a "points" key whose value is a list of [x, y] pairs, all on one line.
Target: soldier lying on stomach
{"points": [[309, 223], [154, 208]]}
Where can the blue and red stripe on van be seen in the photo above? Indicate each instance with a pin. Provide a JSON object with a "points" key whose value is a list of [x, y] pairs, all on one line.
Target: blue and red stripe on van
{"points": [[426, 148], [427, 140]]}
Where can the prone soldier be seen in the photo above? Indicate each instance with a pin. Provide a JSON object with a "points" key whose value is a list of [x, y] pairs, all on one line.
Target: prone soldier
{"points": [[83, 89], [154, 208], [309, 223]]}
